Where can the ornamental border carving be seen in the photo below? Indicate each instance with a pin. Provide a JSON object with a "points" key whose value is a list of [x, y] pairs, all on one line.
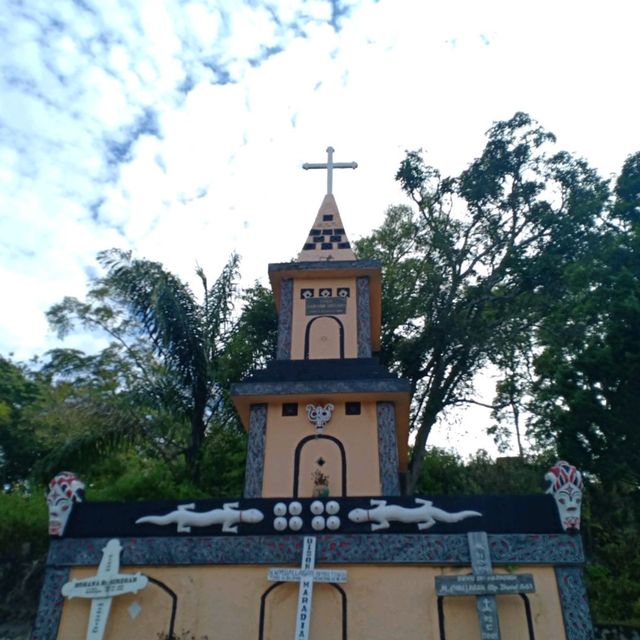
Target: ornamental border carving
{"points": [[388, 449], [574, 603], [421, 549], [255, 451], [363, 317], [285, 320]]}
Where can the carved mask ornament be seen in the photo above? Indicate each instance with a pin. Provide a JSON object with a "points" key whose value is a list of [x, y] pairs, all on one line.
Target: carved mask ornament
{"points": [[319, 415], [64, 490], [566, 486]]}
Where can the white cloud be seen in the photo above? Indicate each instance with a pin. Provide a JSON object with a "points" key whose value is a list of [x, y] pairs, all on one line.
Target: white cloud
{"points": [[178, 129]]}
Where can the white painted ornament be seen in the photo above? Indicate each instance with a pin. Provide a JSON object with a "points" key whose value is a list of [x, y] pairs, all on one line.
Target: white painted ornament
{"points": [[332, 507], [184, 516], [65, 489], [279, 509], [316, 507], [333, 523], [280, 523], [295, 523], [319, 415], [295, 508], [317, 523], [566, 486], [425, 515], [104, 586], [134, 610]]}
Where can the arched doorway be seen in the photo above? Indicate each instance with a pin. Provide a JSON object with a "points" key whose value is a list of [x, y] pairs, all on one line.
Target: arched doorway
{"points": [[322, 452], [324, 338]]}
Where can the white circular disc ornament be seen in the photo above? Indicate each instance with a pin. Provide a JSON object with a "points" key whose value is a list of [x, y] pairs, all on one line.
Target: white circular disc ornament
{"points": [[279, 508], [333, 523], [295, 508], [317, 523], [295, 523], [280, 524], [332, 507], [317, 507]]}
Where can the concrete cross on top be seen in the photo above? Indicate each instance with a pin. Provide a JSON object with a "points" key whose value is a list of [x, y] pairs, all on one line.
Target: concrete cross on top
{"points": [[330, 165]]}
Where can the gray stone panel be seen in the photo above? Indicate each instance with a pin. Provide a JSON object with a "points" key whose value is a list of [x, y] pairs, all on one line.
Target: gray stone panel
{"points": [[371, 548], [363, 317], [47, 620], [285, 320], [388, 449], [320, 386], [255, 451], [274, 267], [575, 605]]}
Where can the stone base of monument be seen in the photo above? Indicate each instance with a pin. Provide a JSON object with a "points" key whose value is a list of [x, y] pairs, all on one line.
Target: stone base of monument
{"points": [[450, 568]]}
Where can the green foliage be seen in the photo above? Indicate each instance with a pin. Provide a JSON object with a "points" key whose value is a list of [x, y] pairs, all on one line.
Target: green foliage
{"points": [[19, 391], [23, 545], [470, 274], [445, 473], [585, 396], [161, 387], [26, 514]]}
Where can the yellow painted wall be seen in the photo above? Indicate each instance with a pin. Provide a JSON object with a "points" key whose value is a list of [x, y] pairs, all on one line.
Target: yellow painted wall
{"points": [[323, 330], [383, 602], [358, 435]]}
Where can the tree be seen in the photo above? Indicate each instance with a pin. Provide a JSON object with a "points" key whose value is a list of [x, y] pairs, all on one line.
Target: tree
{"points": [[585, 393], [172, 355], [19, 390], [469, 275]]}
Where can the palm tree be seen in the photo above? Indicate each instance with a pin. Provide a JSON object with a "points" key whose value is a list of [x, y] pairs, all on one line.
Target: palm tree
{"points": [[182, 352]]}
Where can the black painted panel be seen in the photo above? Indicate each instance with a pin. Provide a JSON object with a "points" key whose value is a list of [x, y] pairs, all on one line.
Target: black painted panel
{"points": [[500, 514]]}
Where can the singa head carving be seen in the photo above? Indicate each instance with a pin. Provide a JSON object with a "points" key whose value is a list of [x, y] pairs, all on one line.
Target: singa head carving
{"points": [[64, 490], [566, 486]]}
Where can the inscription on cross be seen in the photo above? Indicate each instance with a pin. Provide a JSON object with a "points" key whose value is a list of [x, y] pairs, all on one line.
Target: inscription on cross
{"points": [[102, 587], [306, 576], [484, 584], [330, 165]]}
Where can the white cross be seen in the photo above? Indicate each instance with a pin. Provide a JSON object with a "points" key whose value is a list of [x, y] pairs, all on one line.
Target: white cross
{"points": [[330, 165], [102, 587], [306, 576]]}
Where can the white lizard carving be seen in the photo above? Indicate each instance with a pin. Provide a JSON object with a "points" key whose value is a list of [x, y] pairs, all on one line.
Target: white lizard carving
{"points": [[229, 516], [425, 515]]}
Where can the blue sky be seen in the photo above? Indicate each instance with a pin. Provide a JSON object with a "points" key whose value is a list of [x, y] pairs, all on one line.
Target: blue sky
{"points": [[177, 129]]}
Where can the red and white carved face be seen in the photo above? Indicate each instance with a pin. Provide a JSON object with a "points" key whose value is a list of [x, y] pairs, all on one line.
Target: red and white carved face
{"points": [[65, 489], [566, 486]]}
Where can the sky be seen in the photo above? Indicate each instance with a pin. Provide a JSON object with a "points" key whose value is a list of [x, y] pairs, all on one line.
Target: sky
{"points": [[177, 129]]}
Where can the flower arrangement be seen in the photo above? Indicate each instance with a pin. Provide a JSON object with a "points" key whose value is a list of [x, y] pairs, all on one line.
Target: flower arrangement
{"points": [[320, 484]]}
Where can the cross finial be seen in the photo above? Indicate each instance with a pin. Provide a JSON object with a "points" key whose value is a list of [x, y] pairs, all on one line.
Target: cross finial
{"points": [[330, 165]]}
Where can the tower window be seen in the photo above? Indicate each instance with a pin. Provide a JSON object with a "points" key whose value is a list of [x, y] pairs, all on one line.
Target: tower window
{"points": [[289, 409], [327, 217], [352, 408]]}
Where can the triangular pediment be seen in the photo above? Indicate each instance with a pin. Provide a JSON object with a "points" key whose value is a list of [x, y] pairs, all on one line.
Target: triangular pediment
{"points": [[327, 239]]}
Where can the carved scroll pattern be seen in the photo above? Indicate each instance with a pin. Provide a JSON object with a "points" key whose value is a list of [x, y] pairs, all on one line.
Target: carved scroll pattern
{"points": [[50, 609], [285, 320], [575, 606], [388, 450], [255, 451], [363, 312]]}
